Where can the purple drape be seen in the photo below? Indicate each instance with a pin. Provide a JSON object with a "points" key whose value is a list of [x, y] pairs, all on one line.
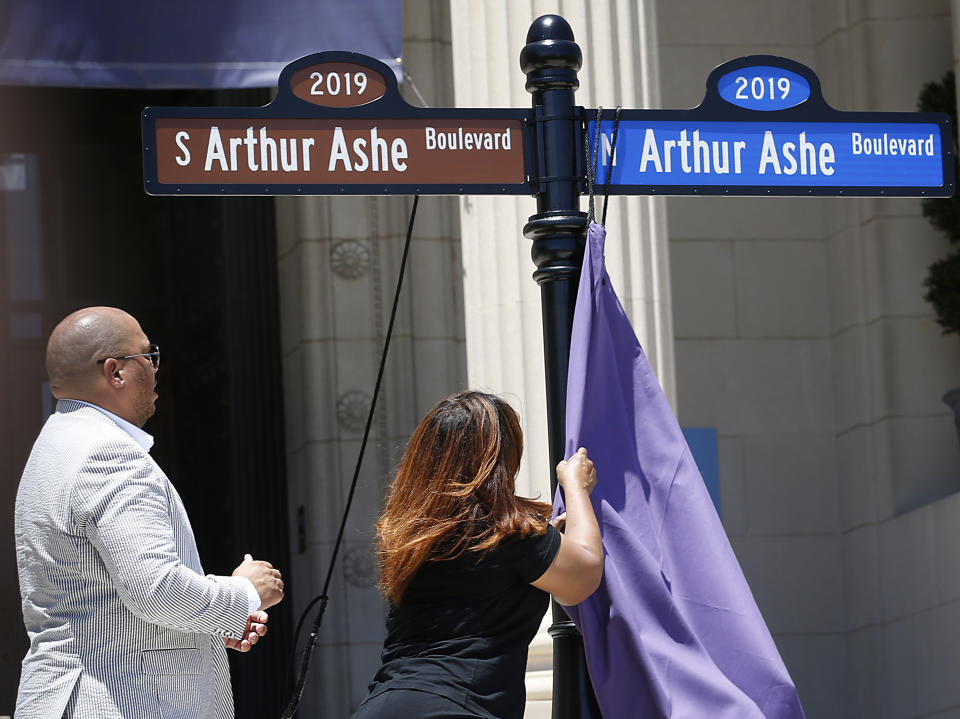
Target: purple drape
{"points": [[673, 631]]}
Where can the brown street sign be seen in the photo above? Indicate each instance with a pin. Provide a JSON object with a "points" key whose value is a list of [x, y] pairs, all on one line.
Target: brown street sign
{"points": [[337, 126], [343, 152]]}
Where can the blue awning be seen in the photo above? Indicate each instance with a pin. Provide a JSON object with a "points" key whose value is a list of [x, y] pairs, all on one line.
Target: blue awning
{"points": [[184, 43]]}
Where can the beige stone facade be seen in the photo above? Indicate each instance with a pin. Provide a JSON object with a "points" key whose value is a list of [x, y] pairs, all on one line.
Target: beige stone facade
{"points": [[795, 326]]}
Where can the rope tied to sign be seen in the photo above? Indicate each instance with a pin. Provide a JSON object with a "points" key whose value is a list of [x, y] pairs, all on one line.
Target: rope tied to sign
{"points": [[592, 164], [613, 159], [593, 155]]}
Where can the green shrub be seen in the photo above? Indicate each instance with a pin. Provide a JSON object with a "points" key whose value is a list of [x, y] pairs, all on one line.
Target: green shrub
{"points": [[943, 276]]}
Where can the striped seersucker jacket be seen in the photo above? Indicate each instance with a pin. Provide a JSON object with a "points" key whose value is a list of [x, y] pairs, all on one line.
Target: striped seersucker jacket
{"points": [[121, 621]]}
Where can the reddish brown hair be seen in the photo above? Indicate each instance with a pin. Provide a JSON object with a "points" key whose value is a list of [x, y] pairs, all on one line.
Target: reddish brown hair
{"points": [[454, 489]]}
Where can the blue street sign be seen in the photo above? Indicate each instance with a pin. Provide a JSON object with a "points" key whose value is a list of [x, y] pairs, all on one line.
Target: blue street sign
{"points": [[764, 128], [761, 154]]}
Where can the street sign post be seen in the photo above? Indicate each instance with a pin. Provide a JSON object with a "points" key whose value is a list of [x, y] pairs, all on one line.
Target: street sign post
{"points": [[338, 126]]}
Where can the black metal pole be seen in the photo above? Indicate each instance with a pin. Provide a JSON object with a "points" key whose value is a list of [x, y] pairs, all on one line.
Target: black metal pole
{"points": [[550, 61]]}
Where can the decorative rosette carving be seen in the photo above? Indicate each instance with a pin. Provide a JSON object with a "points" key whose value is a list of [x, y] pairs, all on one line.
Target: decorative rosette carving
{"points": [[350, 259], [352, 409], [359, 566]]}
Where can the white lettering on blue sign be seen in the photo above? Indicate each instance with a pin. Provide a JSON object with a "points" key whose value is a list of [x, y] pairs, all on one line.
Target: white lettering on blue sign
{"points": [[812, 156], [764, 88], [885, 145], [719, 151], [772, 153]]}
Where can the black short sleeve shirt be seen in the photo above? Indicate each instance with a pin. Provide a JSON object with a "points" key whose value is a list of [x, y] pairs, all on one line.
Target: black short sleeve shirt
{"points": [[464, 624]]}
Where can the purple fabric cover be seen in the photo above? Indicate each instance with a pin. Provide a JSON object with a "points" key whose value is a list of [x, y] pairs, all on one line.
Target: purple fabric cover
{"points": [[673, 631]]}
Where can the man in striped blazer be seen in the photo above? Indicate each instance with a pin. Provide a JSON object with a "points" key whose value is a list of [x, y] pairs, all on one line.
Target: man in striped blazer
{"points": [[122, 622]]}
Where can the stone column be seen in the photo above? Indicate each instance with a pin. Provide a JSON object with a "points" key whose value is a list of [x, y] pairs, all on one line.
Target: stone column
{"points": [[338, 263], [501, 300]]}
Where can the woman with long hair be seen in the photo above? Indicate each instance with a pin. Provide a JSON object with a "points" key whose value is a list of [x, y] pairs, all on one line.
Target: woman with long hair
{"points": [[466, 565]]}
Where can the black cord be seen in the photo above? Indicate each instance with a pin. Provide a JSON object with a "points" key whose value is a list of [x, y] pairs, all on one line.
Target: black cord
{"points": [[592, 166], [323, 598], [613, 155]]}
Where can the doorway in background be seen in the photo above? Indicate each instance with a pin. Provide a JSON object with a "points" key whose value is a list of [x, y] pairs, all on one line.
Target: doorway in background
{"points": [[77, 229]]}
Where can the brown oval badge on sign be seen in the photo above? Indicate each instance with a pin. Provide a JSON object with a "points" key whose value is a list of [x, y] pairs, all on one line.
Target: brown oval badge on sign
{"points": [[338, 84]]}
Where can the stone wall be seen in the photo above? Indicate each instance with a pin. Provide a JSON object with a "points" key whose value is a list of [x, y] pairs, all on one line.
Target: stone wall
{"points": [[803, 337], [339, 259], [796, 328]]}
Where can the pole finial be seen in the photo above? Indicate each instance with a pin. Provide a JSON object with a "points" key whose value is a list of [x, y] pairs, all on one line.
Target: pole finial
{"points": [[549, 27], [551, 57]]}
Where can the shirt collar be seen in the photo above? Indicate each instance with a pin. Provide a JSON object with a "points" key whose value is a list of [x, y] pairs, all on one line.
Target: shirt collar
{"points": [[139, 436]]}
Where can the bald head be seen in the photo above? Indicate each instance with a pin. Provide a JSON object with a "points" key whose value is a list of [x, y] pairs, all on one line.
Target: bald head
{"points": [[80, 340]]}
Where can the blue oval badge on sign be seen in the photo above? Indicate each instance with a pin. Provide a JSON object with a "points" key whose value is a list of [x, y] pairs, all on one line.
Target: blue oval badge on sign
{"points": [[763, 87]]}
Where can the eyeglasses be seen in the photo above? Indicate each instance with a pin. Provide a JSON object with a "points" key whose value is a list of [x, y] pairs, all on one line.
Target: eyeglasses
{"points": [[153, 354]]}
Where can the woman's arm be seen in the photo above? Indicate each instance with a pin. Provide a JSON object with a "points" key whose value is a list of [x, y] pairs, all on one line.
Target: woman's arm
{"points": [[576, 571]]}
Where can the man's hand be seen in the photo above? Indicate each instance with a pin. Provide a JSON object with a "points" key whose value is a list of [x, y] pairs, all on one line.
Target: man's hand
{"points": [[256, 628], [266, 580]]}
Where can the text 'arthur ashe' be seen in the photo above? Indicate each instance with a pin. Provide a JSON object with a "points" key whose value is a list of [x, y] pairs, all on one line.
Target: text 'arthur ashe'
{"points": [[258, 149], [690, 153]]}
